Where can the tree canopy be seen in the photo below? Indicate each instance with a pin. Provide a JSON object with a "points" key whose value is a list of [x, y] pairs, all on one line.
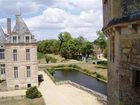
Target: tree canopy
{"points": [[67, 46], [101, 41]]}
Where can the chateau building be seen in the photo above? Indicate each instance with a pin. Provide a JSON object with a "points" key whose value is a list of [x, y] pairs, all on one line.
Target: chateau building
{"points": [[18, 56], [122, 28]]}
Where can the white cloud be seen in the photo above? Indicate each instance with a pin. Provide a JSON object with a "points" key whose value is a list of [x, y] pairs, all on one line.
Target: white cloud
{"points": [[13, 7], [86, 23], [88, 4], [49, 17]]}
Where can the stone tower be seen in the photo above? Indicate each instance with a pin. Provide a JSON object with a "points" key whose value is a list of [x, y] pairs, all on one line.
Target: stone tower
{"points": [[122, 27]]}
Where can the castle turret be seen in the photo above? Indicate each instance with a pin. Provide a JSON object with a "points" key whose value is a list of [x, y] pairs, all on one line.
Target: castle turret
{"points": [[122, 28]]}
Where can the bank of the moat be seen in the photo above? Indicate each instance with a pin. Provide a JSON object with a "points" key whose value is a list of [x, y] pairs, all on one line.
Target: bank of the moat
{"points": [[75, 74]]}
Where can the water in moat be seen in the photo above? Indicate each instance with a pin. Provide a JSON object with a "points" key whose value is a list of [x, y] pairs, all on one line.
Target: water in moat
{"points": [[82, 79]]}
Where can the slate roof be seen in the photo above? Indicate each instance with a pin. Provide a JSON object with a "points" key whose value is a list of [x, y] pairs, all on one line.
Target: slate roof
{"points": [[20, 27], [2, 36], [130, 18]]}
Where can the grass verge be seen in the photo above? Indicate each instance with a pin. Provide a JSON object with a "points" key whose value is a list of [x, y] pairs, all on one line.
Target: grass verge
{"points": [[21, 101]]}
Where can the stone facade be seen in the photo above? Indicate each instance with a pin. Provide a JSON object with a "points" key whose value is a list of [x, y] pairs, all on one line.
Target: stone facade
{"points": [[18, 56], [122, 27]]}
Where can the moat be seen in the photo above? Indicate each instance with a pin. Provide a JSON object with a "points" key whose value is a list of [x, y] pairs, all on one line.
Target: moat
{"points": [[82, 79]]}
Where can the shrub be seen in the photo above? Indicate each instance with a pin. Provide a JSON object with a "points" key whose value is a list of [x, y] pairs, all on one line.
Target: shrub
{"points": [[50, 59], [51, 71], [53, 60], [33, 92], [100, 76], [47, 58], [102, 62], [1, 81], [58, 66]]}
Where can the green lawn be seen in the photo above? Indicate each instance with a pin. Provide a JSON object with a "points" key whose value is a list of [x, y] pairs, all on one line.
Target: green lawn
{"points": [[40, 55], [21, 101], [94, 68]]}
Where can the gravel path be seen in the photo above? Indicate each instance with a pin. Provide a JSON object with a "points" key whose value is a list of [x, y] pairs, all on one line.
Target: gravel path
{"points": [[65, 94]]}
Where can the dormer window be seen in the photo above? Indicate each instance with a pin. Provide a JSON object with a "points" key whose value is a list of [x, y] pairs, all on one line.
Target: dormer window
{"points": [[14, 39], [27, 39]]}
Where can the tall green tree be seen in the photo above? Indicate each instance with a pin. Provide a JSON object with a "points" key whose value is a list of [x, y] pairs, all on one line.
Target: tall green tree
{"points": [[63, 37], [87, 49], [101, 41]]}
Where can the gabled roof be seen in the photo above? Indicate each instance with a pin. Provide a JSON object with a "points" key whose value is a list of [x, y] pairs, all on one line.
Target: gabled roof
{"points": [[20, 27], [2, 36]]}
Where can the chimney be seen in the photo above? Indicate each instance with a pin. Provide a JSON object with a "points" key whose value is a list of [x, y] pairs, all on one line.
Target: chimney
{"points": [[18, 17], [9, 26]]}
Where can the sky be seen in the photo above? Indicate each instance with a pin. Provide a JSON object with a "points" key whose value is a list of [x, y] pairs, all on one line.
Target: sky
{"points": [[47, 18]]}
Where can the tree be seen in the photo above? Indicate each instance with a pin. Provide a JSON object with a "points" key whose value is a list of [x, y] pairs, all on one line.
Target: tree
{"points": [[87, 49], [66, 46], [63, 37], [47, 58], [101, 40]]}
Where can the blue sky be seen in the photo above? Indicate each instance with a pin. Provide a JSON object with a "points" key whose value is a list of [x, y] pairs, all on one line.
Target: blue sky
{"points": [[47, 18]]}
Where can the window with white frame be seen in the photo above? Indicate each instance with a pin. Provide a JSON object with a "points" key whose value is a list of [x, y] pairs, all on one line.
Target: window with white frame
{"points": [[28, 71], [2, 55], [2, 68], [27, 54], [14, 39], [15, 55], [27, 39], [15, 72]]}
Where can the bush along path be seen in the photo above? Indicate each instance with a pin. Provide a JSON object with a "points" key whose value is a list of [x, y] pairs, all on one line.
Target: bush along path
{"points": [[33, 92]]}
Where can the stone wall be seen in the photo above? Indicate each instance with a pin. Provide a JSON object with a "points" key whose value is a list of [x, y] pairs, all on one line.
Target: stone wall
{"points": [[122, 27], [121, 73], [129, 6], [130, 62], [21, 63]]}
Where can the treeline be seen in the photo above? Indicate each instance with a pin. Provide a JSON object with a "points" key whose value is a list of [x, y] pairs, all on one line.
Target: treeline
{"points": [[67, 46]]}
